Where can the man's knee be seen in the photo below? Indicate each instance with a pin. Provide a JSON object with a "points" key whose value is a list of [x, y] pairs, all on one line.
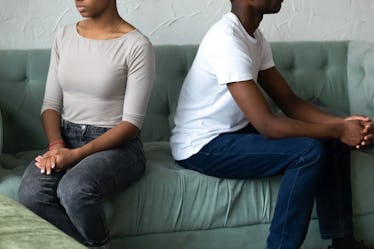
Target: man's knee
{"points": [[314, 152]]}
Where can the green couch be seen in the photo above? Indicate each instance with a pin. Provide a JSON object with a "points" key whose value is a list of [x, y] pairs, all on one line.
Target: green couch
{"points": [[171, 207], [22, 229]]}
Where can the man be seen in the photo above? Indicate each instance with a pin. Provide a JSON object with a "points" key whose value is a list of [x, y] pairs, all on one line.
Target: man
{"points": [[225, 128]]}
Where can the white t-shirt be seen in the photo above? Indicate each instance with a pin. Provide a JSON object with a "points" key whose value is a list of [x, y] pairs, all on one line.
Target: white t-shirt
{"points": [[100, 82], [206, 108]]}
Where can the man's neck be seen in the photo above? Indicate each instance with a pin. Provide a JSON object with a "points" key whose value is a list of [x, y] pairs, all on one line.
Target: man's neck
{"points": [[250, 21]]}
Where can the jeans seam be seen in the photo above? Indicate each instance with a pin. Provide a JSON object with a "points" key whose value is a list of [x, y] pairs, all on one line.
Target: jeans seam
{"points": [[335, 235], [287, 208], [241, 154]]}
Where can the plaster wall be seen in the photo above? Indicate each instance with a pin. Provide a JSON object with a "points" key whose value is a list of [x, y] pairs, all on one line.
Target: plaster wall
{"points": [[33, 23]]}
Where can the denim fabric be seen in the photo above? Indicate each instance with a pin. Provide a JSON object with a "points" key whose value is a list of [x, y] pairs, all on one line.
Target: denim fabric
{"points": [[72, 199], [310, 169]]}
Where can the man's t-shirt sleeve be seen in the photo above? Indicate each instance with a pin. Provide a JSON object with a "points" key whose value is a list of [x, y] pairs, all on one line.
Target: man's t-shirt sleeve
{"points": [[230, 61], [267, 55]]}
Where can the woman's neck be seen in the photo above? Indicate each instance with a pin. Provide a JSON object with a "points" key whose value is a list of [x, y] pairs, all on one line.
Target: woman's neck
{"points": [[104, 28]]}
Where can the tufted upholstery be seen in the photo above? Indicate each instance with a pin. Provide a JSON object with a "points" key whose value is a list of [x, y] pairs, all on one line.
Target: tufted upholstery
{"points": [[316, 72], [173, 62], [23, 77], [171, 207], [361, 78]]}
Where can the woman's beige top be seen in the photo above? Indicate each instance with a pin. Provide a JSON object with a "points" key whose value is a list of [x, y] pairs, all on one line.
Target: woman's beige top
{"points": [[100, 82]]}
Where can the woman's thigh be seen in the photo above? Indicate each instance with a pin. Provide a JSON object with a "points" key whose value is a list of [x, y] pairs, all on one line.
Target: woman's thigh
{"points": [[106, 172], [37, 187]]}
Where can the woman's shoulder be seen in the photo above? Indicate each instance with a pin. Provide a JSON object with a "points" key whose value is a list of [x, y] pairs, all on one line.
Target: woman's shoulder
{"points": [[137, 43], [66, 30], [137, 37]]}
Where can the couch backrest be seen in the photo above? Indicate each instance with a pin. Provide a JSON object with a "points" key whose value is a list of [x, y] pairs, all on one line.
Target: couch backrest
{"points": [[22, 79], [315, 70], [172, 65], [361, 78]]}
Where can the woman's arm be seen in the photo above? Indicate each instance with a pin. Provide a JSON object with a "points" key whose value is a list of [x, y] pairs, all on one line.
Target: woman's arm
{"points": [[51, 121], [138, 88], [114, 137]]}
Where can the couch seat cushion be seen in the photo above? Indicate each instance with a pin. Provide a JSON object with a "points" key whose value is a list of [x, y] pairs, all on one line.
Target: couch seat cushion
{"points": [[170, 198], [12, 167]]}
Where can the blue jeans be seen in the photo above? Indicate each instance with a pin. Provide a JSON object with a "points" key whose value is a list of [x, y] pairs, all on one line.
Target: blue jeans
{"points": [[72, 200], [311, 169]]}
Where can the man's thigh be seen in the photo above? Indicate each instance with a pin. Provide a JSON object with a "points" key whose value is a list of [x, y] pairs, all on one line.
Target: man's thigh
{"points": [[244, 156]]}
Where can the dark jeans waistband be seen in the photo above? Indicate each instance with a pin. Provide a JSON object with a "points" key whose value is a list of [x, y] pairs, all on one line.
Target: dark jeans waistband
{"points": [[88, 129], [67, 125]]}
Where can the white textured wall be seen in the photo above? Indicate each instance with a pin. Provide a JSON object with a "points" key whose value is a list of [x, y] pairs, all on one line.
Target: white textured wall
{"points": [[32, 23]]}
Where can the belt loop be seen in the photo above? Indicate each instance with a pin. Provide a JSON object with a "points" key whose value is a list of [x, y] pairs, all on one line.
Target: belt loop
{"points": [[63, 124]]}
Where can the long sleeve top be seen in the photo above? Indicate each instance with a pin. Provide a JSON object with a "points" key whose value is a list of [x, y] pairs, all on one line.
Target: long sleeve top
{"points": [[100, 82]]}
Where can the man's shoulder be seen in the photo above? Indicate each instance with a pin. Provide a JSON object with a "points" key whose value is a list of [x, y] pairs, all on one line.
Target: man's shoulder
{"points": [[221, 35], [225, 27]]}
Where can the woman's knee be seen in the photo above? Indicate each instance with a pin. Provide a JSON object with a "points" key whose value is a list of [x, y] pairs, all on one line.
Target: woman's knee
{"points": [[73, 192], [25, 195], [30, 193]]}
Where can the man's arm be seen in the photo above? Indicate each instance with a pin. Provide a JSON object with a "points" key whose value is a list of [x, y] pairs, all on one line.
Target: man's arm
{"points": [[254, 106], [293, 106], [277, 88]]}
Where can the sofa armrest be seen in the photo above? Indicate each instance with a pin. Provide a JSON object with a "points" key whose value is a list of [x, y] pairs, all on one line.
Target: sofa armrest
{"points": [[361, 78], [1, 133], [360, 72]]}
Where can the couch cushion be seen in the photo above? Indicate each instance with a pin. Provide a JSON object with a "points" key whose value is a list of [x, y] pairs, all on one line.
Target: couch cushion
{"points": [[22, 79], [360, 76], [170, 198], [12, 167], [361, 83], [20, 228], [172, 65], [315, 71], [362, 176]]}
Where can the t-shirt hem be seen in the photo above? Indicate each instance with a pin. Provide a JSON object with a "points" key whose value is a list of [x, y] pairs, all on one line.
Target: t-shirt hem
{"points": [[234, 78]]}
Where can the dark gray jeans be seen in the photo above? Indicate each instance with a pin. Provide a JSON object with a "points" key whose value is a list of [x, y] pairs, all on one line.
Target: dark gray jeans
{"points": [[72, 200]]}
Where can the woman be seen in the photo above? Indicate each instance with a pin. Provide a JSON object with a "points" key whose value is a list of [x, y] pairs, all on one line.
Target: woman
{"points": [[97, 90]]}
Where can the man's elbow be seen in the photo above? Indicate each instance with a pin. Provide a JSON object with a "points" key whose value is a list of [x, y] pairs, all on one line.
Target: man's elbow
{"points": [[269, 129]]}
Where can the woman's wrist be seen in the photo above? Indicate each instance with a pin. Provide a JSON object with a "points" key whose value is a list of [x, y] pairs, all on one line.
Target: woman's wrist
{"points": [[59, 143]]}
